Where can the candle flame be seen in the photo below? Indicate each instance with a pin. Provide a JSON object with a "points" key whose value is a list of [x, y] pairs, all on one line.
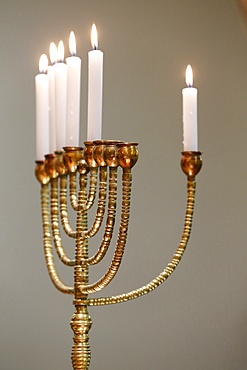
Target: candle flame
{"points": [[72, 44], [189, 76], [53, 53], [43, 63], [94, 37], [60, 51]]}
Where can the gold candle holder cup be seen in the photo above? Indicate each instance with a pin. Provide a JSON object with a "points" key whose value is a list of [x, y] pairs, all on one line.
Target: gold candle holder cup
{"points": [[71, 156], [191, 163]]}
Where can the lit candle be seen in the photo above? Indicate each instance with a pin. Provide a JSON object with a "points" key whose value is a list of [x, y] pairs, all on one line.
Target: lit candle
{"points": [[42, 109], [95, 87], [52, 106], [190, 113], [60, 97], [73, 94]]}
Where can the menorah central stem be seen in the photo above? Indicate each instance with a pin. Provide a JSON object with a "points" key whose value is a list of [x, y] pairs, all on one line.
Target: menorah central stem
{"points": [[81, 321]]}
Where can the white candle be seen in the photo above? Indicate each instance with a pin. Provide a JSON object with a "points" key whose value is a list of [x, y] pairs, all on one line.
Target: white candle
{"points": [[95, 87], [42, 109], [73, 94], [60, 97], [52, 106], [190, 113]]}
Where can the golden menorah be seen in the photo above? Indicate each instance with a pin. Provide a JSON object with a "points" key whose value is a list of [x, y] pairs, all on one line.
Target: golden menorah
{"points": [[86, 176]]}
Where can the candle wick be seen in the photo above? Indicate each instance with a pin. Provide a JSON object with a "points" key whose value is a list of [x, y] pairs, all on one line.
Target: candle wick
{"points": [[94, 47]]}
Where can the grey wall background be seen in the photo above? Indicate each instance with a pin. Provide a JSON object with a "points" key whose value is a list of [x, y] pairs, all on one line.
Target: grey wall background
{"points": [[198, 319]]}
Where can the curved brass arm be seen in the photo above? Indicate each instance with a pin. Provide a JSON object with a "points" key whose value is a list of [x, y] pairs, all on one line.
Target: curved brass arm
{"points": [[48, 243], [55, 225], [63, 208], [72, 190], [191, 186], [122, 237], [92, 189], [101, 203], [110, 222]]}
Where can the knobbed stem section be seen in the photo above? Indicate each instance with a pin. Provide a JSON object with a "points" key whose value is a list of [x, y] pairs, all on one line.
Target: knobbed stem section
{"points": [[191, 187], [80, 324]]}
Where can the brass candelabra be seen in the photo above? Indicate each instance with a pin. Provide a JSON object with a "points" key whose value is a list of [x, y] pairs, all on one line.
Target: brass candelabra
{"points": [[99, 161]]}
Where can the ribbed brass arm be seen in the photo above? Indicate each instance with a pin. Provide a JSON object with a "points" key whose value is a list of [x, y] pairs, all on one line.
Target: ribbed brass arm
{"points": [[63, 208], [55, 225], [122, 237], [110, 222], [48, 243], [72, 191], [191, 186], [92, 189], [101, 204]]}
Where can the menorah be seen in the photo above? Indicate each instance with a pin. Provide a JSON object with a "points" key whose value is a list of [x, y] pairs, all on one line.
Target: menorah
{"points": [[91, 173]]}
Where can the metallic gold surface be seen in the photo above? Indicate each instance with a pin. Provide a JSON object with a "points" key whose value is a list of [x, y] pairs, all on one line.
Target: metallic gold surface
{"points": [[110, 222], [64, 209], [59, 164], [92, 187], [40, 173], [50, 168], [86, 173], [71, 157], [81, 323], [47, 240], [169, 268], [55, 225], [101, 204], [191, 163], [82, 166], [110, 153], [98, 152], [122, 237], [127, 154], [88, 154]]}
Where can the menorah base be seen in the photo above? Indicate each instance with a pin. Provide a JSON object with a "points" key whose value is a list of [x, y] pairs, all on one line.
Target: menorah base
{"points": [[81, 323]]}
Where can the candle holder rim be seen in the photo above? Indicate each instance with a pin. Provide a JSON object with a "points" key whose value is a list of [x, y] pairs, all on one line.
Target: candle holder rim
{"points": [[98, 142], [50, 156], [128, 143], [113, 142], [108, 142], [191, 152], [39, 161], [72, 148], [58, 152], [88, 143]]}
